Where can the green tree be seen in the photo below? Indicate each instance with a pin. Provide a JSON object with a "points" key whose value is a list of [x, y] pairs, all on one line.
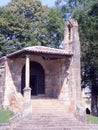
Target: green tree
{"points": [[89, 27], [13, 30], [26, 23], [46, 23], [55, 27], [34, 13]]}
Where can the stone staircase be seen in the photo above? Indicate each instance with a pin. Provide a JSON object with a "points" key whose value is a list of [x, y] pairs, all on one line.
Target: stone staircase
{"points": [[50, 114]]}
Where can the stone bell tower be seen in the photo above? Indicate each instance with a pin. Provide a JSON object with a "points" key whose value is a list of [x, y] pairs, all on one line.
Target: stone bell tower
{"points": [[71, 44]]}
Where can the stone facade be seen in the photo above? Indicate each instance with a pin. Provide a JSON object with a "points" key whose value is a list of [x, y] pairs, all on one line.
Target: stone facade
{"points": [[61, 72], [2, 79]]}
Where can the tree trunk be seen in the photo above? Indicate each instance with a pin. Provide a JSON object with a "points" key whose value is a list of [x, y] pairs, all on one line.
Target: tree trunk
{"points": [[94, 107]]}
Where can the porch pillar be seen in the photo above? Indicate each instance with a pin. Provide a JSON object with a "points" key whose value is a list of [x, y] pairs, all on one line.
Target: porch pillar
{"points": [[27, 89], [27, 106], [27, 70]]}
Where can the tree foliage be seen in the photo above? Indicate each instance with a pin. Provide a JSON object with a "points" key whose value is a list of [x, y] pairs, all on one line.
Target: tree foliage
{"points": [[26, 23], [13, 30]]}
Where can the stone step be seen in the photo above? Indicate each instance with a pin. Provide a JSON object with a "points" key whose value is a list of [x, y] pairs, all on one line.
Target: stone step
{"points": [[51, 115], [49, 128], [54, 127], [57, 128]]}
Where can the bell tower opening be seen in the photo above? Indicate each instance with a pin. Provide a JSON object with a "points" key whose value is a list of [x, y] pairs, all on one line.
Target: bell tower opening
{"points": [[69, 31]]}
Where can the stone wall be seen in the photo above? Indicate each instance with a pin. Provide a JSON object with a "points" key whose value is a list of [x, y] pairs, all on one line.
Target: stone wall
{"points": [[12, 79], [64, 78], [2, 81], [56, 78], [75, 66], [72, 44]]}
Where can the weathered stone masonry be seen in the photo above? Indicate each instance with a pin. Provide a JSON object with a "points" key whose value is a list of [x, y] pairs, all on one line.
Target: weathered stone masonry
{"points": [[2, 80], [55, 71]]}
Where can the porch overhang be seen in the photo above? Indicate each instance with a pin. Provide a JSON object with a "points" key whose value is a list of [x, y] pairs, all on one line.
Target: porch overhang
{"points": [[45, 52]]}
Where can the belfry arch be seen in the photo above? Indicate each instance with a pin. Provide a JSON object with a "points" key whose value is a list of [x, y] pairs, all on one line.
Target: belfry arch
{"points": [[37, 79]]}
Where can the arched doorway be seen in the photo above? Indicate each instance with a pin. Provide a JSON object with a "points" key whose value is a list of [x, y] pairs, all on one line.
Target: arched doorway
{"points": [[37, 79]]}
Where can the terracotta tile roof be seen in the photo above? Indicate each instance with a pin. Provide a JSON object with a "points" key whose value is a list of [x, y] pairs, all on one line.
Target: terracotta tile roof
{"points": [[48, 50], [41, 50]]}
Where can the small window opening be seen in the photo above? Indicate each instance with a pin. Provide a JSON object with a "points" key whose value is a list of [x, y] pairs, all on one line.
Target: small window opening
{"points": [[69, 32]]}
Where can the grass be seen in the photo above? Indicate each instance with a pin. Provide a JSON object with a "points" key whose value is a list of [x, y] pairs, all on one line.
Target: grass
{"points": [[92, 119], [5, 115]]}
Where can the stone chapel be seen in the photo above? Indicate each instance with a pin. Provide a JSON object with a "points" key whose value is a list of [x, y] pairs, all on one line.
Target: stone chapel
{"points": [[40, 71]]}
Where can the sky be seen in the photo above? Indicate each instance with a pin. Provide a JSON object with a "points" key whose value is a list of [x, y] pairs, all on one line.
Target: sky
{"points": [[49, 3]]}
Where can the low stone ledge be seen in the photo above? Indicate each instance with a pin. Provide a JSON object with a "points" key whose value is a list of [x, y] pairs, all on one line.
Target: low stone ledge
{"points": [[5, 126], [11, 123], [27, 109], [80, 112], [14, 120]]}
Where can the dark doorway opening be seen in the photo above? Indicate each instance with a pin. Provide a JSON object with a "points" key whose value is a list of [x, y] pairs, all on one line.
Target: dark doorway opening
{"points": [[33, 84], [87, 111], [37, 79]]}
